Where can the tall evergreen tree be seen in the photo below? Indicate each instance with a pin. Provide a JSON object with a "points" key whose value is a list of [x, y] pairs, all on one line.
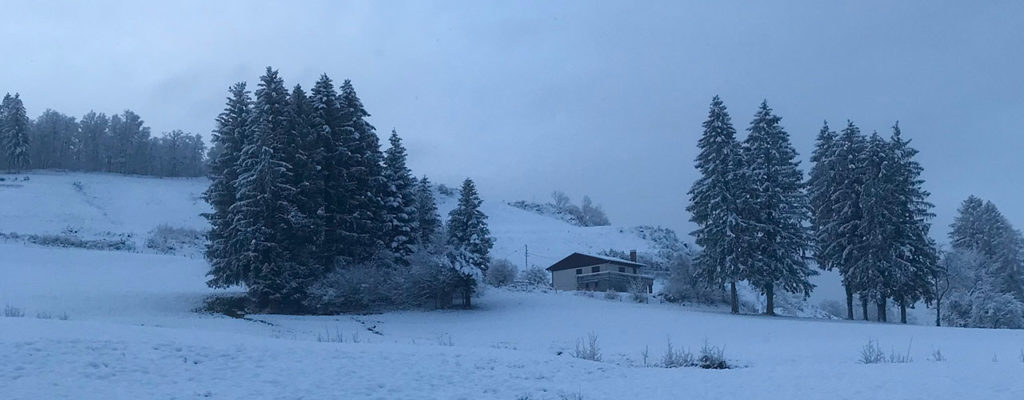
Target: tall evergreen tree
{"points": [[232, 134], [400, 200], [266, 216], [917, 257], [822, 184], [14, 132], [303, 145], [331, 156], [878, 228], [843, 229], [467, 227], [715, 202], [469, 235], [981, 227], [427, 220], [364, 173], [775, 206]]}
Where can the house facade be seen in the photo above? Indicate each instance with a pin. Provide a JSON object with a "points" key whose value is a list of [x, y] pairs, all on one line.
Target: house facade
{"points": [[589, 272]]}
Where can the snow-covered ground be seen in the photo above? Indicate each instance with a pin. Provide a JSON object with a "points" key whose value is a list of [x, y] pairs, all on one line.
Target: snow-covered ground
{"points": [[131, 331]]}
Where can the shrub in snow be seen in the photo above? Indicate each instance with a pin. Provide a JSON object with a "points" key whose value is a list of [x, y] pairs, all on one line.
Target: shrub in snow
{"points": [[500, 273], [431, 279], [683, 285], [611, 295], [937, 356], [872, 353], [167, 239], [444, 190], [712, 357], [638, 291], [536, 276], [122, 242], [13, 312], [677, 358], [984, 308], [445, 339], [588, 349], [833, 308]]}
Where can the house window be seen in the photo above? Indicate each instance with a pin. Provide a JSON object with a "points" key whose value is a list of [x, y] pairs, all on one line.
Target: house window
{"points": [[579, 271], [634, 270], [622, 269], [595, 269]]}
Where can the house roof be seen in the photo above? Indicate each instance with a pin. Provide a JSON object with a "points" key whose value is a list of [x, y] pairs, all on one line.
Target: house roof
{"points": [[578, 260]]}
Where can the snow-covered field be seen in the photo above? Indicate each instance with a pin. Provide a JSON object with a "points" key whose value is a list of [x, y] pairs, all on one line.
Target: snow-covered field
{"points": [[131, 333]]}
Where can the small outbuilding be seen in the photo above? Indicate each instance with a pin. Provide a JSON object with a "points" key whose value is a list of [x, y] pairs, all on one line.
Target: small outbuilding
{"points": [[581, 271]]}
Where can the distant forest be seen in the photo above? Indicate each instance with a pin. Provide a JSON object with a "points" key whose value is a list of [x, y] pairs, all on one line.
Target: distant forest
{"points": [[119, 143]]}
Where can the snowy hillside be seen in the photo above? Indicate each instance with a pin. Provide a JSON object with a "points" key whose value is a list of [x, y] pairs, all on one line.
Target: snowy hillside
{"points": [[96, 324]]}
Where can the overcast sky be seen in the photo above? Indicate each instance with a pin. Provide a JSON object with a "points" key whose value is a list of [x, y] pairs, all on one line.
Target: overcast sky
{"points": [[591, 97]]}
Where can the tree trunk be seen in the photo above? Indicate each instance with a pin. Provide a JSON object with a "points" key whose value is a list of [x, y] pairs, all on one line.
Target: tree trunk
{"points": [[903, 311], [881, 310], [769, 293], [864, 307], [466, 295], [849, 303], [734, 298], [938, 312]]}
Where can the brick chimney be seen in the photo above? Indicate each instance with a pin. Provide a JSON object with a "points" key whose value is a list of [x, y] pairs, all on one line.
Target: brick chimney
{"points": [[632, 255]]}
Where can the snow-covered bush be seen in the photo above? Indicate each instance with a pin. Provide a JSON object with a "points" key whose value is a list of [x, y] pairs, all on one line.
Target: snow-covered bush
{"points": [[500, 273], [872, 353], [13, 312], [536, 276], [587, 214], [677, 358], [984, 308], [683, 285], [117, 242], [638, 290], [588, 349], [431, 279], [611, 295], [712, 357], [445, 190], [167, 239]]}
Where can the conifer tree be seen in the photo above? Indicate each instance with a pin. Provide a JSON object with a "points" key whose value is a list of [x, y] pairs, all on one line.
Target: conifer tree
{"points": [[877, 253], [364, 173], [309, 196], [841, 244], [981, 227], [467, 227], [427, 220], [266, 215], [715, 201], [400, 200], [469, 235], [331, 156], [231, 135], [14, 132], [822, 184], [775, 207], [917, 258]]}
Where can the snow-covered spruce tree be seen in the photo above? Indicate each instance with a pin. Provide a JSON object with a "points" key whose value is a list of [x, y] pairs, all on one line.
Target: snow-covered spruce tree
{"points": [[331, 156], [401, 225], [841, 244], [230, 136], [715, 202], [309, 196], [428, 222], [917, 257], [981, 227], [364, 172], [266, 217], [879, 225], [14, 133], [774, 208], [821, 186], [470, 237]]}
